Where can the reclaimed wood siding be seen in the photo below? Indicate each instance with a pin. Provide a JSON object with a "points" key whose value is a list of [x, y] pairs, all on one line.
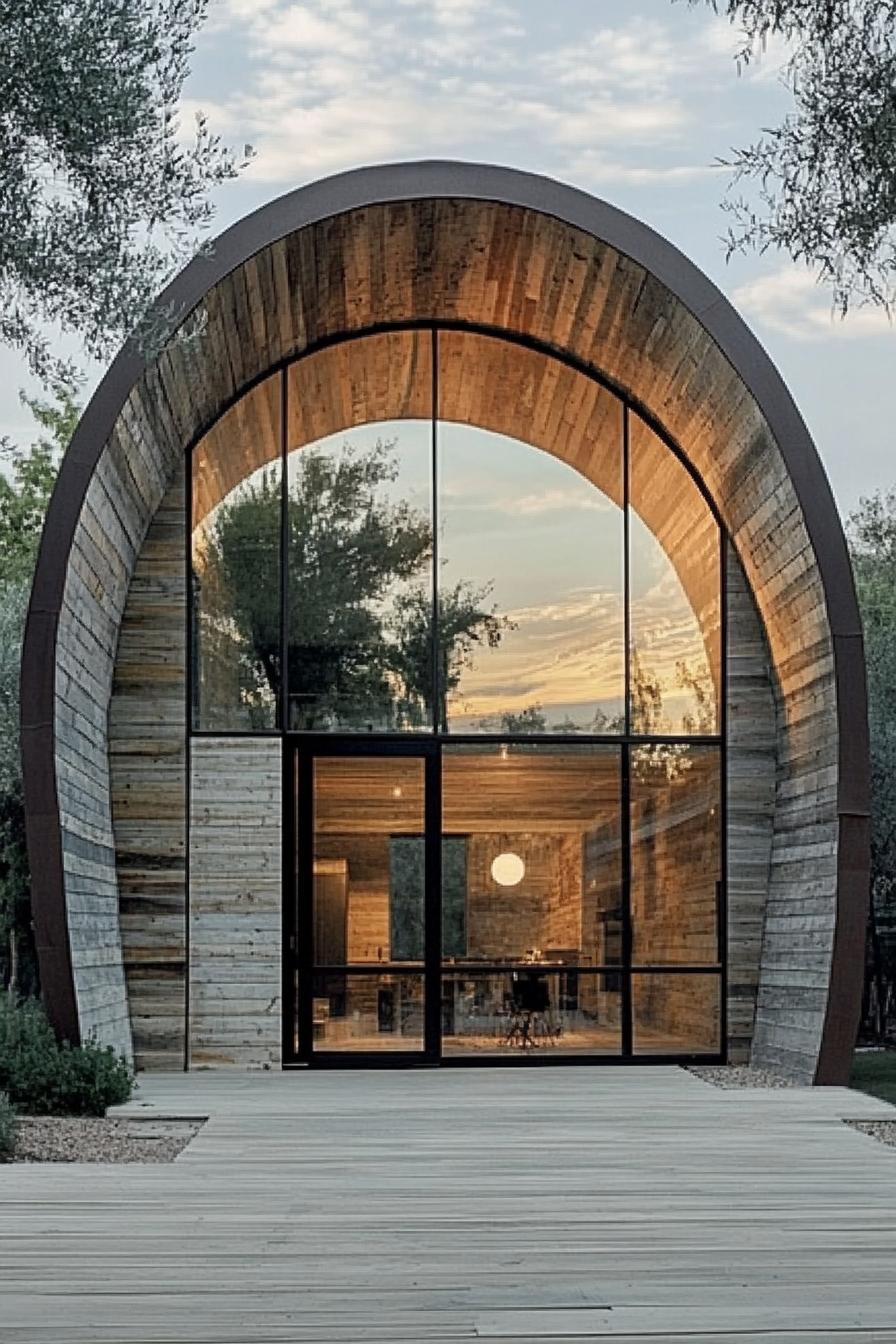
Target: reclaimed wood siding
{"points": [[134, 470], [147, 754], [800, 908], [235, 920]]}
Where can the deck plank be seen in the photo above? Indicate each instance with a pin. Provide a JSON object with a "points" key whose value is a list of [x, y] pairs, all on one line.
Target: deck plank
{"points": [[502, 1204]]}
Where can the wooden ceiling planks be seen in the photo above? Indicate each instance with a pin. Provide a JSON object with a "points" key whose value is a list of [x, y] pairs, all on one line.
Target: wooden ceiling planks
{"points": [[533, 791]]}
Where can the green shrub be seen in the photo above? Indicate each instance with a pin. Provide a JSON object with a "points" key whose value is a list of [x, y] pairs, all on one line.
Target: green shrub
{"points": [[43, 1077], [7, 1129]]}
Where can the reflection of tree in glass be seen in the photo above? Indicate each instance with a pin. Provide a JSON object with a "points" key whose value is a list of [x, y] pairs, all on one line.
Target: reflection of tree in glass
{"points": [[667, 761], [648, 719], [464, 623], [532, 720], [360, 621], [647, 700], [236, 561], [698, 681]]}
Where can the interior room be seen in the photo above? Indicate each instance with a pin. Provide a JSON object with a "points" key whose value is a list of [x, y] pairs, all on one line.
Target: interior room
{"points": [[532, 918]]}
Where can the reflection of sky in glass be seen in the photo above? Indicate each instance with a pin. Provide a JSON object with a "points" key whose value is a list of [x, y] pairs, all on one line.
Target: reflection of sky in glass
{"points": [[550, 544], [665, 630], [411, 457]]}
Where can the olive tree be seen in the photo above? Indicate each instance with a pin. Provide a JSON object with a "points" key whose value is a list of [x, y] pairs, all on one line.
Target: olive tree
{"points": [[821, 185], [102, 194]]}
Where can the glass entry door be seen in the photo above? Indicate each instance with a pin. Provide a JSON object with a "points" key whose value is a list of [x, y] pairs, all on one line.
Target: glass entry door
{"points": [[517, 900], [363, 973]]}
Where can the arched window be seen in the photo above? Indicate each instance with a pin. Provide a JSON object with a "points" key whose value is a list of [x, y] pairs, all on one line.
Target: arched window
{"points": [[447, 537]]}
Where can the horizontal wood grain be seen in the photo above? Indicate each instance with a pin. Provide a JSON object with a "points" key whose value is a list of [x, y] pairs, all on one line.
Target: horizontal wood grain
{"points": [[633, 1204]]}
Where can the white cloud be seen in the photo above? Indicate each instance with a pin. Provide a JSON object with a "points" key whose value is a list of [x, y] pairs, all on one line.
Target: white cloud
{"points": [[555, 501], [790, 300], [593, 166], [645, 58], [335, 83]]}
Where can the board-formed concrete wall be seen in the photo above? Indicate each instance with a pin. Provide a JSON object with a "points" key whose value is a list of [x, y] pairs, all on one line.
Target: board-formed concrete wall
{"points": [[235, 910], [427, 250], [123, 496], [147, 758], [752, 769]]}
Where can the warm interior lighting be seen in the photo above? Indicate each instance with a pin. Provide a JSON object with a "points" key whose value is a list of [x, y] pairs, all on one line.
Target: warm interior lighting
{"points": [[508, 870]]}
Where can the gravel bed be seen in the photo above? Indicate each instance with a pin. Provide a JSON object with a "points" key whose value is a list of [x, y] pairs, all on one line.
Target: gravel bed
{"points": [[738, 1075], [89, 1139], [882, 1130]]}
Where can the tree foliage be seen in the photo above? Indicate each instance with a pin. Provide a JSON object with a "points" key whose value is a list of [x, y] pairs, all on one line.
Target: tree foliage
{"points": [[25, 493], [24, 496], [101, 195], [873, 540], [360, 609], [821, 186], [464, 623]]}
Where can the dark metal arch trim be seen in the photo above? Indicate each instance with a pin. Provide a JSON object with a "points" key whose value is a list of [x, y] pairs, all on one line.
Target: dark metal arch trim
{"points": [[392, 183]]}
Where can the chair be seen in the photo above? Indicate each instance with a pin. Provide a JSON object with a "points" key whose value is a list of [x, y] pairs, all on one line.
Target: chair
{"points": [[531, 1021], [320, 1016]]}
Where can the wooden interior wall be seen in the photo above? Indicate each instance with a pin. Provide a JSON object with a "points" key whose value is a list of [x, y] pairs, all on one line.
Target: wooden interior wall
{"points": [[528, 273], [544, 911], [684, 1007], [147, 758], [676, 861], [235, 903], [367, 906]]}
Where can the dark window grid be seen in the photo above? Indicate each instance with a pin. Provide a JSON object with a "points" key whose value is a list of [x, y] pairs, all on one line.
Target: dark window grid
{"points": [[627, 405], [626, 739]]}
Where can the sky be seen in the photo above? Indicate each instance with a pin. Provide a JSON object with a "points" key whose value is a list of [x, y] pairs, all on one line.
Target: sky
{"points": [[632, 100]]}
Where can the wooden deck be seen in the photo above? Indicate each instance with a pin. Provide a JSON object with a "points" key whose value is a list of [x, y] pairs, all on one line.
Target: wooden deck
{"points": [[517, 1205]]}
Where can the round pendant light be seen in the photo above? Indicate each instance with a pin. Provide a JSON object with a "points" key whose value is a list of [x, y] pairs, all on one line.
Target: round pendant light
{"points": [[508, 870]]}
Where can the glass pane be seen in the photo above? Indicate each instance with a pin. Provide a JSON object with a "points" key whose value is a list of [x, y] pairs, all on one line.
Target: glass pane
{"points": [[368, 860], [530, 1009], [381, 1011], [360, 536], [531, 869], [531, 543], [676, 854], [675, 594], [676, 1014], [236, 566]]}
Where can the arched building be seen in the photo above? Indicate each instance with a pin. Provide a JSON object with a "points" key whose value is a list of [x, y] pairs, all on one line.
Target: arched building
{"points": [[446, 648]]}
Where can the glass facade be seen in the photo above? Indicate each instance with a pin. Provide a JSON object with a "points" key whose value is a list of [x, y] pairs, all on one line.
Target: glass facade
{"points": [[675, 589], [359, 537], [235, 567], [532, 535], [482, 601]]}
